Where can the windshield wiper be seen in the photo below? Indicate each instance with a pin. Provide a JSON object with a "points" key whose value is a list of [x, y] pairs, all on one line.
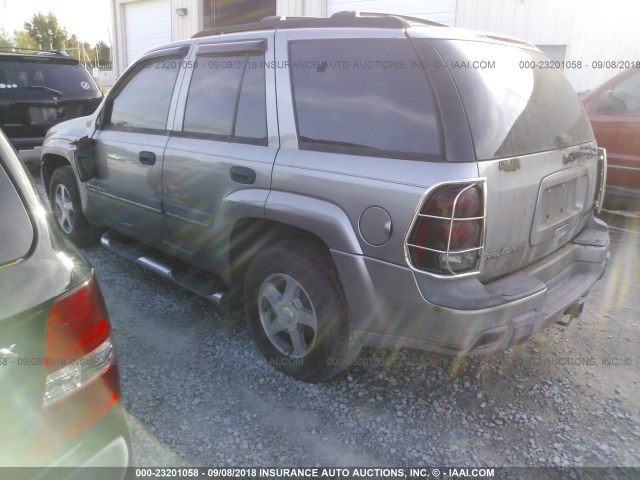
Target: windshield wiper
{"points": [[53, 91]]}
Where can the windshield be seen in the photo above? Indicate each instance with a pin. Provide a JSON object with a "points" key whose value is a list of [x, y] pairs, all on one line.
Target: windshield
{"points": [[67, 78], [515, 105]]}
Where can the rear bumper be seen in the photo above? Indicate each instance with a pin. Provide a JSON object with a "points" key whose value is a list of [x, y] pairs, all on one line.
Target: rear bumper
{"points": [[111, 462], [394, 307], [102, 451]]}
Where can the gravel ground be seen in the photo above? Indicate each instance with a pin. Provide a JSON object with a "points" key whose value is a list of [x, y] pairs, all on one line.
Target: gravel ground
{"points": [[199, 393]]}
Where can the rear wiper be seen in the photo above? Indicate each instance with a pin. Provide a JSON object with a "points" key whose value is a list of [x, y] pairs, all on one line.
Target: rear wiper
{"points": [[56, 93], [576, 154]]}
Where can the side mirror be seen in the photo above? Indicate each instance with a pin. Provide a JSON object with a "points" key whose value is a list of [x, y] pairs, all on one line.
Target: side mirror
{"points": [[607, 102], [85, 158]]}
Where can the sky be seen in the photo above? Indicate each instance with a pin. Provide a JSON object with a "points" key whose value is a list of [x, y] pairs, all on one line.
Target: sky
{"points": [[90, 20]]}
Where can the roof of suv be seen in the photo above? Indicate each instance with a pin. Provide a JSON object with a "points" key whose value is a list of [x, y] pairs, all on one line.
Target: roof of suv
{"points": [[17, 54], [337, 20], [353, 19]]}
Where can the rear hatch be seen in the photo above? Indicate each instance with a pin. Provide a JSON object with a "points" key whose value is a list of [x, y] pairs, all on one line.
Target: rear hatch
{"points": [[534, 145], [38, 91]]}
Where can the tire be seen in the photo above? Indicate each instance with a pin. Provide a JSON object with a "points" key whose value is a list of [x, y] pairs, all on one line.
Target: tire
{"points": [[297, 313], [67, 209]]}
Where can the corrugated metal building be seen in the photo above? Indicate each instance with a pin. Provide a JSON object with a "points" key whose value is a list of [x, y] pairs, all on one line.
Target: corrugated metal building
{"points": [[589, 31]]}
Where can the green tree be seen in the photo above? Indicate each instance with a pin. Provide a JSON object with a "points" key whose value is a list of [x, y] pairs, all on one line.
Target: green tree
{"points": [[104, 53], [80, 50], [23, 40], [46, 31], [5, 41]]}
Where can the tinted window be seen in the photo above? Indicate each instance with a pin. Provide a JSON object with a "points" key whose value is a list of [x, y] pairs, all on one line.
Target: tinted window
{"points": [[514, 108], [251, 120], [143, 102], [67, 78], [227, 98], [363, 97], [628, 91], [15, 242]]}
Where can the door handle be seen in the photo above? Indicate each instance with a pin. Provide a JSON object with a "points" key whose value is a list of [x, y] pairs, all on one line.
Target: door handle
{"points": [[243, 175], [148, 158]]}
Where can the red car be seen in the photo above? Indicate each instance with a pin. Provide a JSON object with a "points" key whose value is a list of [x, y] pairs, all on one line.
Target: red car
{"points": [[614, 111]]}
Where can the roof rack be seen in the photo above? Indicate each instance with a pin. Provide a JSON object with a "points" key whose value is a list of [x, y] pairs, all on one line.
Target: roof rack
{"points": [[34, 51], [408, 19], [337, 20]]}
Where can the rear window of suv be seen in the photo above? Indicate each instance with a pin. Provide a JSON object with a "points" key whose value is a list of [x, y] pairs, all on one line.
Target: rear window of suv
{"points": [[361, 97], [514, 106], [66, 77]]}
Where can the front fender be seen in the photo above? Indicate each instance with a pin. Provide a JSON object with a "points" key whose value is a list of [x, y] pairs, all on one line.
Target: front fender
{"points": [[58, 150]]}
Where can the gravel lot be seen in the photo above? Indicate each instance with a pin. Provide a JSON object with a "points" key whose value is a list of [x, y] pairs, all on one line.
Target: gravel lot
{"points": [[199, 393]]}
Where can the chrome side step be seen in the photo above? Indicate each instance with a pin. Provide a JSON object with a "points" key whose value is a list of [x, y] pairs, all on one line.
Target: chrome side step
{"points": [[202, 284]]}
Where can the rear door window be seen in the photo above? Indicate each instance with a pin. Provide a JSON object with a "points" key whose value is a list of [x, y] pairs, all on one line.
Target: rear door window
{"points": [[15, 242], [227, 99], [514, 103], [363, 97]]}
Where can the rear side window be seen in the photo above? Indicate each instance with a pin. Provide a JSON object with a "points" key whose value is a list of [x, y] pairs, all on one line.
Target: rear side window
{"points": [[514, 108], [227, 99], [15, 242], [143, 102], [363, 97], [25, 74]]}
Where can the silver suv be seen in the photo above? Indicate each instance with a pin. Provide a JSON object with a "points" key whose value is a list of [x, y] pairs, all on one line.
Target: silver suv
{"points": [[357, 180]]}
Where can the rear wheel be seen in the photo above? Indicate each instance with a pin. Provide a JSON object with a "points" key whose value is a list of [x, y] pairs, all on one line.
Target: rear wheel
{"points": [[297, 313], [67, 209]]}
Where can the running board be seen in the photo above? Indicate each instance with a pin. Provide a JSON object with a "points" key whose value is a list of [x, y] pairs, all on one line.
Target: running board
{"points": [[200, 284]]}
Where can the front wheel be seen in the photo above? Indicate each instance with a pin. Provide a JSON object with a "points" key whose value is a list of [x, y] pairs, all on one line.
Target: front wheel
{"points": [[297, 313], [67, 209]]}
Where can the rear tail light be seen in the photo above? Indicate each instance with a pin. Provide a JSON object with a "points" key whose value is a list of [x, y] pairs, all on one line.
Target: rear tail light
{"points": [[447, 235], [78, 346], [82, 381], [79, 373], [601, 182]]}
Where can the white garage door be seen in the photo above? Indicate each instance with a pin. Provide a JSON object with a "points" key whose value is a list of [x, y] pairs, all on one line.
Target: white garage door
{"points": [[147, 24], [442, 11]]}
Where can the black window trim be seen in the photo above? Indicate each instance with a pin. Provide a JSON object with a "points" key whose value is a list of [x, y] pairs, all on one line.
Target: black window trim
{"points": [[180, 51], [229, 48], [310, 145], [262, 142]]}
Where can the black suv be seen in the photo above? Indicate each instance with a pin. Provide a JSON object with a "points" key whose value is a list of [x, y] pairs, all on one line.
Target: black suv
{"points": [[39, 89]]}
